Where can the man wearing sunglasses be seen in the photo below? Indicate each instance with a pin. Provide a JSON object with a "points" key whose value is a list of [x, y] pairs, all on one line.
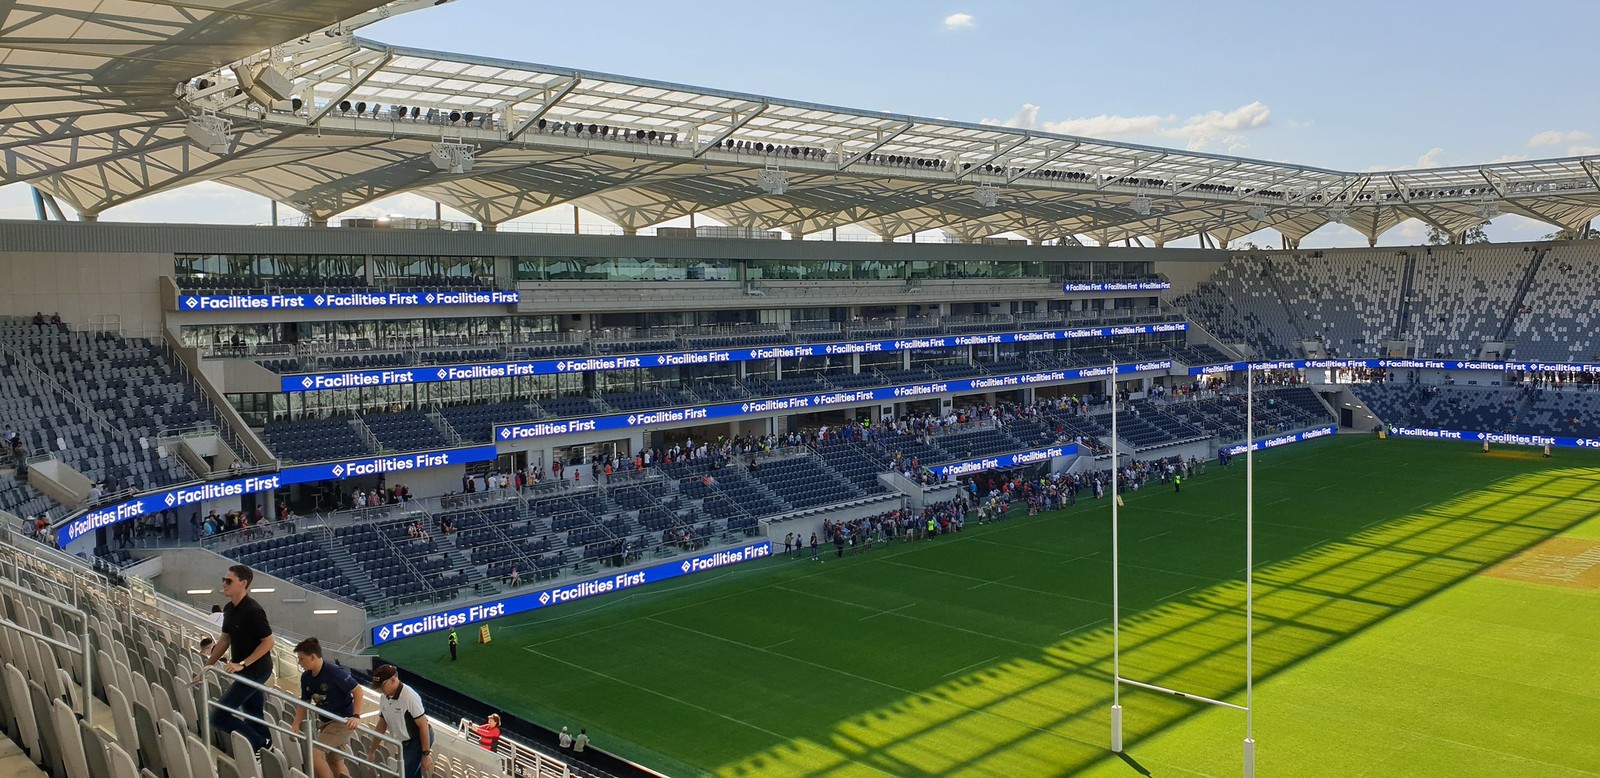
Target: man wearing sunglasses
{"points": [[246, 633]]}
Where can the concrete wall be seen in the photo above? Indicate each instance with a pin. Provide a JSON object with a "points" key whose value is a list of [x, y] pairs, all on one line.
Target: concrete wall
{"points": [[89, 290], [1185, 276]]}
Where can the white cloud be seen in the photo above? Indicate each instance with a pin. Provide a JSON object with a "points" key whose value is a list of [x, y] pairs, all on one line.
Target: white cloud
{"points": [[1583, 151], [1434, 158], [958, 21], [1104, 126], [1242, 119], [1507, 158], [1556, 138], [1223, 129]]}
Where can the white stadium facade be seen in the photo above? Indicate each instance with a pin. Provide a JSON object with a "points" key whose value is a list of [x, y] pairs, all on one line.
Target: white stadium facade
{"points": [[203, 368]]}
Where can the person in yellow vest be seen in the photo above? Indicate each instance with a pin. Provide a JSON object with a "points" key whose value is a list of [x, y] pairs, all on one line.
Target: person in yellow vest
{"points": [[1177, 482], [933, 527], [453, 642]]}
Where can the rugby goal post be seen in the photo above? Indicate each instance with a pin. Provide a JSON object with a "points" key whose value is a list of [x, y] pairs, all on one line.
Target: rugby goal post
{"points": [[1117, 679]]}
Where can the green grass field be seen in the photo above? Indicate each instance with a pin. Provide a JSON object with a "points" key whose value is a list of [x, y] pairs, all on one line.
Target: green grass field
{"points": [[1422, 609]]}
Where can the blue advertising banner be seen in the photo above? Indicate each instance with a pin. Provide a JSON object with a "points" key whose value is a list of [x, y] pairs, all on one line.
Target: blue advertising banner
{"points": [[556, 595], [528, 430], [155, 502], [340, 300], [1510, 439], [1004, 461], [1403, 364], [1283, 440], [1116, 286], [308, 382]]}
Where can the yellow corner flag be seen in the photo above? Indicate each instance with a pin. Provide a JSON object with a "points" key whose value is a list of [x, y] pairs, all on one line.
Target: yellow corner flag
{"points": [[483, 634]]}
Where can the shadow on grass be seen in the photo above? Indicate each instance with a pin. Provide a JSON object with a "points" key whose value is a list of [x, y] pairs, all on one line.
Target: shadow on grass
{"points": [[1048, 714]]}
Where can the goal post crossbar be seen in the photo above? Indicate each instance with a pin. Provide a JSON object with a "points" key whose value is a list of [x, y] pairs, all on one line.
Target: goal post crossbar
{"points": [[1176, 693]]}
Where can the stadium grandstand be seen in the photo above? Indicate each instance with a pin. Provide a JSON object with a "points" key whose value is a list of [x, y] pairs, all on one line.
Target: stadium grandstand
{"points": [[412, 425]]}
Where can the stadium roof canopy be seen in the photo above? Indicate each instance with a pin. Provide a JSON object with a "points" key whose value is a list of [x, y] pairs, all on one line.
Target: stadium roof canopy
{"points": [[106, 101]]}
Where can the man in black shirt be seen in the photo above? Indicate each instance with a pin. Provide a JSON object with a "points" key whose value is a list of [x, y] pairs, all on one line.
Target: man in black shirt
{"points": [[246, 632]]}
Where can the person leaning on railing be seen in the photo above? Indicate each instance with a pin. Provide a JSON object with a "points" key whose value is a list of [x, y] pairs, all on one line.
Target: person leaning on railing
{"points": [[488, 732]]}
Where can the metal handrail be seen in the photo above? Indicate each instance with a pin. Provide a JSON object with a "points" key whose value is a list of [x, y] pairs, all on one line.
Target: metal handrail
{"points": [[85, 709], [311, 743]]}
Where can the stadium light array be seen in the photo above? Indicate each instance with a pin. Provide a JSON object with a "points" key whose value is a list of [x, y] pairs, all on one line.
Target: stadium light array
{"points": [[1258, 212], [773, 181], [209, 132], [1488, 209], [986, 196], [453, 156], [1141, 205]]}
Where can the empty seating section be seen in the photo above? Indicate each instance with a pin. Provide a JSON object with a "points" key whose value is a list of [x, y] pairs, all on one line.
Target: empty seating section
{"points": [[1461, 296], [653, 398], [369, 361], [635, 346], [800, 385], [1240, 304], [1277, 410], [459, 356], [546, 351], [404, 431], [860, 464], [404, 568], [311, 440], [98, 402], [310, 284], [1568, 413], [1485, 408], [805, 481], [300, 558], [476, 422], [569, 406], [1349, 300], [1560, 317]]}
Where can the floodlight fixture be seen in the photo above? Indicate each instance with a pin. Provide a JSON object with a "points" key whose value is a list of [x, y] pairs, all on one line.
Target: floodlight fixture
{"points": [[986, 196], [1338, 214], [1141, 205], [773, 181], [453, 156], [1488, 209], [209, 132], [1258, 212]]}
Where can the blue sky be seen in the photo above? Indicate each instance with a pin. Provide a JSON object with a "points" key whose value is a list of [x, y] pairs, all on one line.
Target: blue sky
{"points": [[1350, 85]]}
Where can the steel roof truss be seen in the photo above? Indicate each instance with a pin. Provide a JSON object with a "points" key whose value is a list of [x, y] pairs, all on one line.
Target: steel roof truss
{"points": [[734, 123], [999, 151], [893, 132], [551, 95], [382, 58]]}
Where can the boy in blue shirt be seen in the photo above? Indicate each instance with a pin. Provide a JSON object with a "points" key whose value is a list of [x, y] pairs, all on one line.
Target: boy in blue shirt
{"points": [[330, 688]]}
